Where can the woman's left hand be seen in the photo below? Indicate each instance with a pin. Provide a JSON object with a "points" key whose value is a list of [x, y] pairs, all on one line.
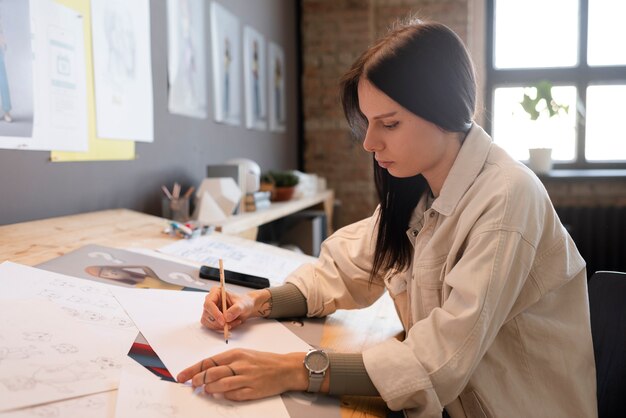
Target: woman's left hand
{"points": [[242, 374]]}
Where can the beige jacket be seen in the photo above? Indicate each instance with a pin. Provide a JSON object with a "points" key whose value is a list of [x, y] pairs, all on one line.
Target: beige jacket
{"points": [[494, 304]]}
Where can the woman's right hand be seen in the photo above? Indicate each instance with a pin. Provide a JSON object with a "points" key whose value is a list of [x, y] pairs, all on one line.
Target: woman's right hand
{"points": [[239, 308]]}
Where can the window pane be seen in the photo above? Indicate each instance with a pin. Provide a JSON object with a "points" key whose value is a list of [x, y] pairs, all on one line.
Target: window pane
{"points": [[605, 138], [607, 32], [535, 33], [514, 131]]}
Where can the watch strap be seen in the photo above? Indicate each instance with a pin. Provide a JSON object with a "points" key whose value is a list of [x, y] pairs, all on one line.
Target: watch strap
{"points": [[315, 382]]}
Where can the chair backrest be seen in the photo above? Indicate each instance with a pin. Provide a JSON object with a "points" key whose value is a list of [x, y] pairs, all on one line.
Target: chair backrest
{"points": [[607, 303]]}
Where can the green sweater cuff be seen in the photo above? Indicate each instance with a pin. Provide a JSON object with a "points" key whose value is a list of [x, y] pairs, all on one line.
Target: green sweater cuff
{"points": [[287, 301], [348, 375]]}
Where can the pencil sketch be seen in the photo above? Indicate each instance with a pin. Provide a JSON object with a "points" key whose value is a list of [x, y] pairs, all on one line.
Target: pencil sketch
{"points": [[105, 363], [18, 353], [62, 283], [37, 336], [91, 316], [65, 348], [78, 299], [45, 355], [225, 409], [62, 378], [75, 304], [94, 291], [50, 295], [90, 405], [157, 408], [121, 322]]}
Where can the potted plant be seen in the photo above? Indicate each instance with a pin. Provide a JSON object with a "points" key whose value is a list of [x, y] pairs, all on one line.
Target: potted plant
{"points": [[281, 183], [541, 107]]}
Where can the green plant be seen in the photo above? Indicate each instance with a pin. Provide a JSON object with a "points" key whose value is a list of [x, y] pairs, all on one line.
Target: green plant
{"points": [[543, 93], [280, 178]]}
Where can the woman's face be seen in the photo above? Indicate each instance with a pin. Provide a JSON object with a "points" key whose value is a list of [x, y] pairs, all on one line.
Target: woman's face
{"points": [[403, 143]]}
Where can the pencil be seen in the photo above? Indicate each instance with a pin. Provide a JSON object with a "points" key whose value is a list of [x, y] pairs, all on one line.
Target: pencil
{"points": [[167, 192], [223, 300], [188, 193]]}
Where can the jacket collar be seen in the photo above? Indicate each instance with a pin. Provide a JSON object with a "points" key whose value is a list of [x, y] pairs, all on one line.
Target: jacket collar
{"points": [[467, 166]]}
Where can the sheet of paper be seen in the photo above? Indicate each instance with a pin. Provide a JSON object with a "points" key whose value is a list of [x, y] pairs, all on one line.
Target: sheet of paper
{"points": [[99, 148], [143, 397], [100, 405], [16, 75], [52, 101], [170, 321], [88, 302], [122, 69], [186, 60], [225, 41], [47, 356], [241, 255]]}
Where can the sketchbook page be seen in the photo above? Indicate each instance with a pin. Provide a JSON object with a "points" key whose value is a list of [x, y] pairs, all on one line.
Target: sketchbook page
{"points": [[144, 397], [89, 302], [46, 356], [100, 405], [170, 321], [122, 69], [240, 255]]}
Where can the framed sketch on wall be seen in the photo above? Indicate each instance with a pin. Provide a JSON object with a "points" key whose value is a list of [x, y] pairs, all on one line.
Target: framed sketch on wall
{"points": [[226, 65], [254, 79], [186, 68], [276, 69]]}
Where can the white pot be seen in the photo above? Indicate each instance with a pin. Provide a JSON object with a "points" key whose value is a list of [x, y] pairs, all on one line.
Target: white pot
{"points": [[540, 160]]}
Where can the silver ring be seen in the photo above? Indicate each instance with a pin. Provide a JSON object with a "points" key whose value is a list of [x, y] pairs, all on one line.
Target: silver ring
{"points": [[231, 370], [204, 378]]}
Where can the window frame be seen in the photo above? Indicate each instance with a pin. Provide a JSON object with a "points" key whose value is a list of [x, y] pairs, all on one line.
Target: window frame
{"points": [[580, 76]]}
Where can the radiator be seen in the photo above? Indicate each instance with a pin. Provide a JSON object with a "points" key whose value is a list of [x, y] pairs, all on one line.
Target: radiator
{"points": [[599, 234]]}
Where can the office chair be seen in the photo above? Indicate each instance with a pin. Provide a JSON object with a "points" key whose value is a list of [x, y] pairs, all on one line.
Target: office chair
{"points": [[607, 303]]}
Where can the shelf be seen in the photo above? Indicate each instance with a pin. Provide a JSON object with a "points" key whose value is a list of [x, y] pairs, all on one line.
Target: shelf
{"points": [[240, 223]]}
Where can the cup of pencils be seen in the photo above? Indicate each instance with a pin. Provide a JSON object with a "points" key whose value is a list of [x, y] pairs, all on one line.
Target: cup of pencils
{"points": [[175, 206]]}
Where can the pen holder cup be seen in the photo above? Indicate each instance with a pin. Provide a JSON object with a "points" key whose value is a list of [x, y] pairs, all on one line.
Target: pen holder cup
{"points": [[175, 209]]}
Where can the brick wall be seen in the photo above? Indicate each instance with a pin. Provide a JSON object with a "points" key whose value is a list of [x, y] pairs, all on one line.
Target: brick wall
{"points": [[334, 34]]}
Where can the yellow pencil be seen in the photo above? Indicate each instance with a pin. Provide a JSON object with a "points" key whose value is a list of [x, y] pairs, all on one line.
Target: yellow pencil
{"points": [[224, 307]]}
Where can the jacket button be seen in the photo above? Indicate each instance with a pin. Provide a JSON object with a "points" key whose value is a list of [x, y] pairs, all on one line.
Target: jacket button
{"points": [[432, 214], [414, 232]]}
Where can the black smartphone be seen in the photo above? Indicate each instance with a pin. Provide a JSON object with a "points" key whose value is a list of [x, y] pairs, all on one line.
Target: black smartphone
{"points": [[232, 277]]}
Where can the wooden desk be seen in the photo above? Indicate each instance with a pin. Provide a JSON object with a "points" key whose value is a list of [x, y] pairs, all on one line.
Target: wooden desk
{"points": [[31, 243], [246, 224]]}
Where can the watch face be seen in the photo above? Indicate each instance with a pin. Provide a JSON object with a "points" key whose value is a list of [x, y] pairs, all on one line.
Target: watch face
{"points": [[317, 361]]}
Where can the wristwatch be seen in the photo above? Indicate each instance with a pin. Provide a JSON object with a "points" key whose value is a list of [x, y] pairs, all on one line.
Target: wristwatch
{"points": [[316, 362]]}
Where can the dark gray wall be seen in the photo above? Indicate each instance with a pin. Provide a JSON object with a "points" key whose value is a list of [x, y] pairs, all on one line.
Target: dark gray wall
{"points": [[31, 187]]}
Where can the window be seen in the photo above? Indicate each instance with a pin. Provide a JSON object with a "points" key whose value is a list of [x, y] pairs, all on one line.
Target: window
{"points": [[579, 48]]}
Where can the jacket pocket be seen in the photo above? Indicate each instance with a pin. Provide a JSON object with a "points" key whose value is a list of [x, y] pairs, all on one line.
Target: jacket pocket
{"points": [[429, 279], [472, 406]]}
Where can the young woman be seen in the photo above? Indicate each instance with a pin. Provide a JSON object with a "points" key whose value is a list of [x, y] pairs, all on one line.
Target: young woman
{"points": [[489, 286]]}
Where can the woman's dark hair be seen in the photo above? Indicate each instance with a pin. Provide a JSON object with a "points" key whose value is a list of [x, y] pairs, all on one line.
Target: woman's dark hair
{"points": [[424, 67]]}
